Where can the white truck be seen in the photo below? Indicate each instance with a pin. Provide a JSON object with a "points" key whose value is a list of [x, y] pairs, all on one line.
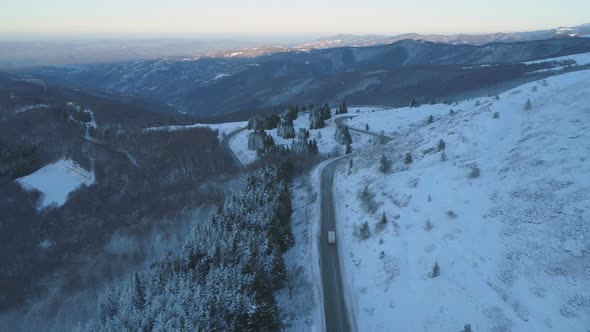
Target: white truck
{"points": [[331, 237]]}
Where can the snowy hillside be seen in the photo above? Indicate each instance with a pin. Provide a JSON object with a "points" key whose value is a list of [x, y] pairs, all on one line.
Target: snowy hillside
{"points": [[505, 216], [327, 145], [56, 180]]}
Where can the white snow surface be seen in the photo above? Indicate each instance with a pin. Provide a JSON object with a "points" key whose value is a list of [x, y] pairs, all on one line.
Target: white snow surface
{"points": [[514, 254], [222, 128], [581, 59], [56, 181]]}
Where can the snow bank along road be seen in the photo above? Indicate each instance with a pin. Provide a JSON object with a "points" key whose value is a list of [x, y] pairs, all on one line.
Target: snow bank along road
{"points": [[225, 145]]}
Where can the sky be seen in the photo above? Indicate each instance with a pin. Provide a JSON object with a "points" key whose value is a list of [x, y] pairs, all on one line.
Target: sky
{"points": [[320, 17]]}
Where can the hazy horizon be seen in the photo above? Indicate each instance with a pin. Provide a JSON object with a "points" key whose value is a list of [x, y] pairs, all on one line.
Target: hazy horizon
{"points": [[268, 20]]}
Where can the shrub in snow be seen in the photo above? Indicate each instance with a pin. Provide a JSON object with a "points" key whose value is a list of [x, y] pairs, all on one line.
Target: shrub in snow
{"points": [[382, 139], [382, 254], [428, 225], [363, 231], [430, 119], [429, 198], [441, 145], [528, 105], [451, 112], [443, 156], [467, 328], [381, 224], [477, 103], [451, 214], [384, 164], [408, 159], [496, 115], [367, 127], [474, 173], [435, 270], [367, 198], [534, 89]]}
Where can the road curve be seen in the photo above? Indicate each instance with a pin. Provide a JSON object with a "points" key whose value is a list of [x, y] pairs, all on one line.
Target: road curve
{"points": [[335, 307], [225, 144]]}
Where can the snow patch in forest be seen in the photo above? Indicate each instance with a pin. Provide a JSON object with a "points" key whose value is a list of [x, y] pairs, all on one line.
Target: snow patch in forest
{"points": [[56, 181]]}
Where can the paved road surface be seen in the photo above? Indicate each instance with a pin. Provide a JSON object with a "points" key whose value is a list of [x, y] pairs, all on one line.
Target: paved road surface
{"points": [[335, 308]]}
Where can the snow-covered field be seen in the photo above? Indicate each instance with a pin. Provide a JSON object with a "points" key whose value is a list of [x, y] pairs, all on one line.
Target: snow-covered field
{"points": [[506, 216], [222, 128], [56, 180], [327, 145]]}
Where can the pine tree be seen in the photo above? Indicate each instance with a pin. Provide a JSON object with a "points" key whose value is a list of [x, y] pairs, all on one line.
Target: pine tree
{"points": [[138, 293], [430, 119], [413, 103], [435, 270], [365, 231], [348, 149], [382, 223], [528, 105], [408, 159], [342, 135]]}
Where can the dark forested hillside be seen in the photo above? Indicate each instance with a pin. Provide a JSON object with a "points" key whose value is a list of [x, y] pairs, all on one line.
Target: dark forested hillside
{"points": [[224, 277]]}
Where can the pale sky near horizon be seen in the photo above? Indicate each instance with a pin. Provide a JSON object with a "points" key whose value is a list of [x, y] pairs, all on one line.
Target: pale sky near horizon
{"points": [[295, 16]]}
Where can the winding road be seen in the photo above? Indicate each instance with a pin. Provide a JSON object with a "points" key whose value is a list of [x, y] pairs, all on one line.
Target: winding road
{"points": [[337, 314], [335, 307]]}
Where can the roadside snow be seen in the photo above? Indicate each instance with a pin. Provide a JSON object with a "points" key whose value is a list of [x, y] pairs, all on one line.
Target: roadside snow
{"points": [[302, 310], [222, 128], [512, 242], [56, 180]]}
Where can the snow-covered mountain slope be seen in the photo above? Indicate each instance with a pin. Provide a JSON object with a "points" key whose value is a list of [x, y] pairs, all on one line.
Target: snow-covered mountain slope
{"points": [[505, 216], [327, 145], [56, 181]]}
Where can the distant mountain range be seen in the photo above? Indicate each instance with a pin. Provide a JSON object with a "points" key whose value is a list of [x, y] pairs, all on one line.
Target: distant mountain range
{"points": [[374, 40], [22, 54], [389, 74]]}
